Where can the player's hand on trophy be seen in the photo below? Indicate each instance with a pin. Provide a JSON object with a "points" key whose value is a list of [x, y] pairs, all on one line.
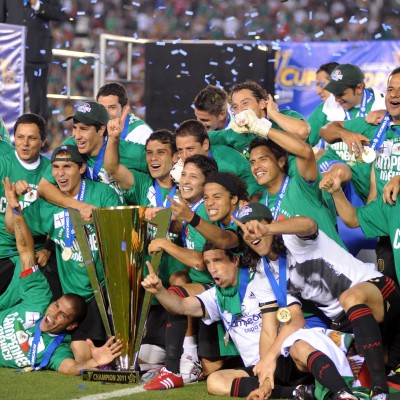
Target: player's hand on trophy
{"points": [[151, 212], [152, 283], [115, 126], [247, 122], [86, 211], [11, 194], [105, 354], [156, 245]]}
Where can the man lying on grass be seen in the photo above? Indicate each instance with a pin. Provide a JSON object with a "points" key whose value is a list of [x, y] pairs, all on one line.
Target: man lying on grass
{"points": [[34, 333]]}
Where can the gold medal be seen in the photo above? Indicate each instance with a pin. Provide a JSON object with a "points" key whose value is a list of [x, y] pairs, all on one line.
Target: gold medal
{"points": [[226, 338], [283, 314], [368, 155], [67, 253]]}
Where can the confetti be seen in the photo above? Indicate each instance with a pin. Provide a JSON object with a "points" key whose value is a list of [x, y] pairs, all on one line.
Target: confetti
{"points": [[319, 34]]}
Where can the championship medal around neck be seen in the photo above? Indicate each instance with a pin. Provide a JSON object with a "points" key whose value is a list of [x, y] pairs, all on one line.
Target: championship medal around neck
{"points": [[368, 155], [283, 314], [67, 253], [226, 338]]}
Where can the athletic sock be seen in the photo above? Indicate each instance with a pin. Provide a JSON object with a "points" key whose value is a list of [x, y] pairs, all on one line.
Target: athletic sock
{"points": [[241, 387], [190, 347], [325, 372], [174, 337], [369, 343]]}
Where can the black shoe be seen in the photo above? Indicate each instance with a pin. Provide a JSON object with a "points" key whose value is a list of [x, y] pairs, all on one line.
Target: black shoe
{"points": [[377, 393], [344, 395], [304, 392]]}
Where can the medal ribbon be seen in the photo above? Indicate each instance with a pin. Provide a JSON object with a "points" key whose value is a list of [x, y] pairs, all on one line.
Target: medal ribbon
{"points": [[94, 174], [49, 351], [379, 134], [69, 232], [159, 198], [280, 290], [124, 133], [281, 195], [244, 279], [363, 107], [194, 208]]}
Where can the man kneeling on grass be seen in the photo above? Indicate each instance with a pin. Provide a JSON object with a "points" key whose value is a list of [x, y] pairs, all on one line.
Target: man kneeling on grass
{"points": [[34, 333]]}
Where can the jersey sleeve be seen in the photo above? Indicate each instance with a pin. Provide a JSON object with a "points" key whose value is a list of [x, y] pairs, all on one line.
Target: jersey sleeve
{"points": [[373, 218], [133, 155]]}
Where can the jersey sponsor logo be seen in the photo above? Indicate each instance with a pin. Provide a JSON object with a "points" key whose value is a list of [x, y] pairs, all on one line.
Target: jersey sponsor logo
{"points": [[59, 220]]}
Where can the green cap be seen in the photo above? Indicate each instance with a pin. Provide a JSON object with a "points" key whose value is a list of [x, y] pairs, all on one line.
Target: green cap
{"points": [[254, 211], [73, 152], [90, 113], [344, 76]]}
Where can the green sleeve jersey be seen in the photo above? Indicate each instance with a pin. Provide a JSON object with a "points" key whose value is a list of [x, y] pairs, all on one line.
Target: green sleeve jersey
{"points": [[381, 219], [4, 132], [17, 326], [46, 218], [230, 160], [5, 148], [195, 241], [316, 121], [306, 199], [138, 130], [12, 168]]}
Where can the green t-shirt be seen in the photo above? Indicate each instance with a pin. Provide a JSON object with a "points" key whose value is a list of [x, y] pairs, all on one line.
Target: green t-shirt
{"points": [[241, 142], [5, 148], [17, 326], [12, 168], [306, 199], [195, 241], [43, 217], [132, 156], [138, 131], [143, 193], [4, 132], [387, 162], [230, 160], [381, 219]]}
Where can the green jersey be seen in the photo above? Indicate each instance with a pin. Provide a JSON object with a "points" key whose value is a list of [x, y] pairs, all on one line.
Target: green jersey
{"points": [[195, 241], [387, 162], [136, 130], [230, 160], [43, 217], [4, 132], [304, 198], [11, 167], [381, 219], [132, 155], [18, 324], [143, 193], [5, 148]]}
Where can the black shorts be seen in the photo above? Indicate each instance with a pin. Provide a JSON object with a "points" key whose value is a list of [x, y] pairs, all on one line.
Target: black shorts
{"points": [[91, 327], [154, 332], [286, 373], [208, 343]]}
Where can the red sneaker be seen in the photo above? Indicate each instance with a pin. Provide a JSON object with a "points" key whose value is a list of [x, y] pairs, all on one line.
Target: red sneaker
{"points": [[165, 380]]}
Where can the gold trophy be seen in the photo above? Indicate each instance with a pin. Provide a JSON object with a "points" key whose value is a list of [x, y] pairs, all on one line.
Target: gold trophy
{"points": [[122, 239]]}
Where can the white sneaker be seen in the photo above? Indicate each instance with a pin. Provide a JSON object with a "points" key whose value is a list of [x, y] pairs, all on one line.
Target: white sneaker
{"points": [[190, 370]]}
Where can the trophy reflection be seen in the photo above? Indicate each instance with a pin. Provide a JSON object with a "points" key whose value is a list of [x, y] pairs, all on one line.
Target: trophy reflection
{"points": [[122, 241]]}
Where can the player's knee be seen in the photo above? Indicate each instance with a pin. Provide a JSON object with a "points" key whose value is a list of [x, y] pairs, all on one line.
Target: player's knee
{"points": [[218, 385], [351, 297]]}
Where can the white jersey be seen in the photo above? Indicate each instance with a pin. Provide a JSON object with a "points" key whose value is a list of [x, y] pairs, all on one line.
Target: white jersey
{"points": [[320, 270], [245, 331]]}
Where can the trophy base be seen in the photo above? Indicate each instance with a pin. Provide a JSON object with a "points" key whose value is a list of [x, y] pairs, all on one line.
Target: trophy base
{"points": [[95, 375]]}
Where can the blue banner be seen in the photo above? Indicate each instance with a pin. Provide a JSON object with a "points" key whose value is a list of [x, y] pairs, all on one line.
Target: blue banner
{"points": [[12, 53], [296, 64]]}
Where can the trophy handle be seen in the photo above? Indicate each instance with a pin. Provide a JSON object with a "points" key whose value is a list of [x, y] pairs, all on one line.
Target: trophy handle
{"points": [[162, 220], [79, 226]]}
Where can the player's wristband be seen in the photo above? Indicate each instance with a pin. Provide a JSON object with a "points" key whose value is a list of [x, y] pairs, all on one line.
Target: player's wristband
{"points": [[195, 220]]}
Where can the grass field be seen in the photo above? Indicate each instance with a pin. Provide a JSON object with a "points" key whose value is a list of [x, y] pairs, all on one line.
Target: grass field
{"points": [[48, 385]]}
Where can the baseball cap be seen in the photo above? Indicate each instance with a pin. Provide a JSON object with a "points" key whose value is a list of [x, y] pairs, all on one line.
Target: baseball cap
{"points": [[344, 76], [254, 211], [90, 113], [73, 152]]}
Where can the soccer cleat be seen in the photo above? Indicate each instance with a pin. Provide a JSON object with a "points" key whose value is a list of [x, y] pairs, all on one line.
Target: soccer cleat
{"points": [[304, 392], [377, 393], [190, 370], [344, 395], [164, 380], [150, 374]]}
